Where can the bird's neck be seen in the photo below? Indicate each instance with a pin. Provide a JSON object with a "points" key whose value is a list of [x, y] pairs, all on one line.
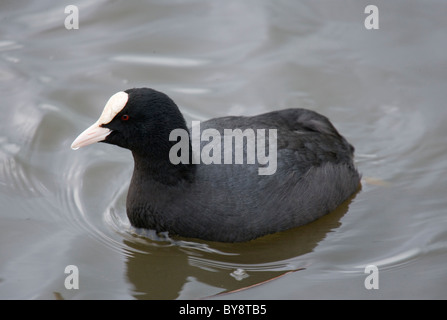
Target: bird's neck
{"points": [[160, 169]]}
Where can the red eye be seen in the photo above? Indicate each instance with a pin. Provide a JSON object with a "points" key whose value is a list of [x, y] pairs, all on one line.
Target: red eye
{"points": [[125, 117]]}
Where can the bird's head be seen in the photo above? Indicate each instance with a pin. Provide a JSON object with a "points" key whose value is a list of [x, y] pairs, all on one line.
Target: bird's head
{"points": [[138, 119]]}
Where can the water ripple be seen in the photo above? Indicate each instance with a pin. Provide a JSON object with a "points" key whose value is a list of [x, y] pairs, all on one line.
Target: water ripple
{"points": [[394, 260], [163, 61]]}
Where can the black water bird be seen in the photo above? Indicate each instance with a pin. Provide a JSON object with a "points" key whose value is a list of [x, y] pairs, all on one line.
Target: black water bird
{"points": [[312, 173]]}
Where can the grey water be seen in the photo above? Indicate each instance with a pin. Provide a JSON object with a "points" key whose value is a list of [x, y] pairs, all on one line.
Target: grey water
{"points": [[384, 89]]}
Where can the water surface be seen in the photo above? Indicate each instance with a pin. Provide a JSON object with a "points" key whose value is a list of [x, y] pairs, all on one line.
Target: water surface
{"points": [[383, 89]]}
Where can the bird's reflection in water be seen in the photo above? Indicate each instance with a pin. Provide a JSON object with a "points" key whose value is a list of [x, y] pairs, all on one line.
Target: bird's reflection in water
{"points": [[159, 267]]}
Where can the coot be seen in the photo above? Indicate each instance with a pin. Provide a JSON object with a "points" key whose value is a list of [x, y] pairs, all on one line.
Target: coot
{"points": [[185, 181]]}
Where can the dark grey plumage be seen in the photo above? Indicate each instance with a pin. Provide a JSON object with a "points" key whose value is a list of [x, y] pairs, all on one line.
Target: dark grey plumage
{"points": [[232, 202]]}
